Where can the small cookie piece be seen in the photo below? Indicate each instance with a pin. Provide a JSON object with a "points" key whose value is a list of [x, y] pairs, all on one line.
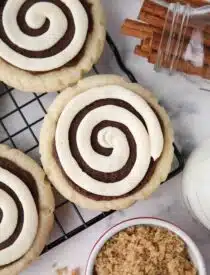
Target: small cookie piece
{"points": [[26, 210], [106, 143], [51, 43], [66, 271], [62, 271]]}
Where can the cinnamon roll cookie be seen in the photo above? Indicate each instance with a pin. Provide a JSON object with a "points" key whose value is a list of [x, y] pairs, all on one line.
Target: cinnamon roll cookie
{"points": [[48, 44], [26, 210], [106, 143]]}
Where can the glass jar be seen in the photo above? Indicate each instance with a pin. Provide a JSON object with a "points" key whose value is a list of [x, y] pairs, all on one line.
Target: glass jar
{"points": [[185, 41], [195, 184]]}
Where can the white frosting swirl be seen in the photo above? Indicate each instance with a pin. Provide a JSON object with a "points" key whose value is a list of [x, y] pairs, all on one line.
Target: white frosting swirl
{"points": [[149, 140], [35, 18], [9, 221]]}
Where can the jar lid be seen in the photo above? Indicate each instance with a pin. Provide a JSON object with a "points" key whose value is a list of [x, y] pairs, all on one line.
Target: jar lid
{"points": [[196, 183]]}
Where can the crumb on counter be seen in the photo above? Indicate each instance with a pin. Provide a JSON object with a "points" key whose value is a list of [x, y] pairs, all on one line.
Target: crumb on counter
{"points": [[66, 271], [62, 271], [75, 272], [144, 250]]}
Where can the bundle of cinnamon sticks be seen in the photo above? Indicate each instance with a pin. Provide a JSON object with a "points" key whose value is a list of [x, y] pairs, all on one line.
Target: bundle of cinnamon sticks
{"points": [[149, 27]]}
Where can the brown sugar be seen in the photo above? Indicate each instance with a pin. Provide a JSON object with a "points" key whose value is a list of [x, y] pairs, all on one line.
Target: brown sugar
{"points": [[142, 250]]}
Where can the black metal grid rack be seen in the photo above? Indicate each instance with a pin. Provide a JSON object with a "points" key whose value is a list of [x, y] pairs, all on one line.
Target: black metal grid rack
{"points": [[10, 138]]}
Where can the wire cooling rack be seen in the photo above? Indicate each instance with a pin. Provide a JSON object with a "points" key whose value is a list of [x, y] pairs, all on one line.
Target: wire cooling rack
{"points": [[21, 116]]}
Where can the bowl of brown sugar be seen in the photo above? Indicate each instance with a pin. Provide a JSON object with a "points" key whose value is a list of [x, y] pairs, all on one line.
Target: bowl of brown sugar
{"points": [[145, 246]]}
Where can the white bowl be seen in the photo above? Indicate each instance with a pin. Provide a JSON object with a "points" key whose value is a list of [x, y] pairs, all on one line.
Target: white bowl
{"points": [[193, 250]]}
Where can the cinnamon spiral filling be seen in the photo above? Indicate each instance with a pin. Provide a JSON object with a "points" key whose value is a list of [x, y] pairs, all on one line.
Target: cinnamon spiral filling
{"points": [[18, 211], [45, 35], [20, 220], [107, 141]]}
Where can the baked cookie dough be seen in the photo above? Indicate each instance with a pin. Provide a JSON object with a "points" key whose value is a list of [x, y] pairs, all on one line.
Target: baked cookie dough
{"points": [[26, 210], [106, 143], [51, 43]]}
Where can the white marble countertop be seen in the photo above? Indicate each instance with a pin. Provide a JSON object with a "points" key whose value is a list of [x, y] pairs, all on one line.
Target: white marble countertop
{"points": [[166, 203], [189, 109]]}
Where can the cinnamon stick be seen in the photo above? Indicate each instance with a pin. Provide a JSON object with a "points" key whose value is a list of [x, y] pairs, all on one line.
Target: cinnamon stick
{"points": [[155, 21], [160, 11], [180, 65], [193, 3], [156, 43], [134, 33], [187, 67], [138, 51], [152, 20], [138, 29], [133, 24], [153, 8], [147, 44]]}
